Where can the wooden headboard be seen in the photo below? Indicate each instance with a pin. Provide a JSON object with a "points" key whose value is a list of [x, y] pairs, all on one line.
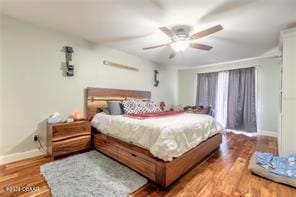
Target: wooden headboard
{"points": [[97, 97]]}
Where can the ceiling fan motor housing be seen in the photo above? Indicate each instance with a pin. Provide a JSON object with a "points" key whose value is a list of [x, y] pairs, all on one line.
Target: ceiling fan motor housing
{"points": [[181, 33]]}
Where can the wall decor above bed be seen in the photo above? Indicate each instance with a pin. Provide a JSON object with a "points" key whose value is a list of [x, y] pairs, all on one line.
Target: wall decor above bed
{"points": [[68, 54], [109, 63], [156, 81]]}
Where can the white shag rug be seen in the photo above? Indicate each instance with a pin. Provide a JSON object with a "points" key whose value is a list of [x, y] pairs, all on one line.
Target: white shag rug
{"points": [[90, 174]]}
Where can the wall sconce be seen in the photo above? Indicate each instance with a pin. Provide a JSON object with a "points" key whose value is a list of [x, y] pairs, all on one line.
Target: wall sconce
{"points": [[156, 81], [70, 68]]}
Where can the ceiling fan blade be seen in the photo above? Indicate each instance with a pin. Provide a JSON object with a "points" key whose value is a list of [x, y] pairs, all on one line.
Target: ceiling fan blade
{"points": [[173, 54], [168, 32], [200, 46], [206, 32], [156, 46]]}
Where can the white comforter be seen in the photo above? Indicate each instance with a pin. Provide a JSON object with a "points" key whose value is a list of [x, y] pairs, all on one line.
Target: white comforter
{"points": [[165, 137]]}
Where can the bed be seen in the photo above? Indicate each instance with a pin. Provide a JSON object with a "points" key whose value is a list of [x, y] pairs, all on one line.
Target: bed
{"points": [[162, 149]]}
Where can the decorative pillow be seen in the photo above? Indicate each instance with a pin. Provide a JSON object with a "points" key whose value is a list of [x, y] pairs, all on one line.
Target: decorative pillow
{"points": [[177, 108], [106, 110], [115, 107], [152, 107], [132, 106], [139, 107], [198, 110]]}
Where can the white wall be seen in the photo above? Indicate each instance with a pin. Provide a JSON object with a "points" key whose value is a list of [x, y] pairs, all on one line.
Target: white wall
{"points": [[32, 84], [268, 88]]}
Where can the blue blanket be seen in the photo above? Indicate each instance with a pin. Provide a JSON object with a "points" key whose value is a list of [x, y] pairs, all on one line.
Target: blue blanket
{"points": [[283, 166]]}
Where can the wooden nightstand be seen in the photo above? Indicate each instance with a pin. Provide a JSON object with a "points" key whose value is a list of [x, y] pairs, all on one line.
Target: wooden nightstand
{"points": [[64, 138]]}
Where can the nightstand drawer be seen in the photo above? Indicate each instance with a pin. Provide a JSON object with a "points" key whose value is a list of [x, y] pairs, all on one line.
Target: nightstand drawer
{"points": [[70, 145], [65, 131]]}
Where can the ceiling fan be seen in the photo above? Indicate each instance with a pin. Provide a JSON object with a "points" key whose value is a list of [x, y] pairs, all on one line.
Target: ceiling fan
{"points": [[181, 39]]}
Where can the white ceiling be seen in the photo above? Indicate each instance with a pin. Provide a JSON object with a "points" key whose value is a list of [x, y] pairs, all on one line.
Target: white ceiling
{"points": [[251, 27]]}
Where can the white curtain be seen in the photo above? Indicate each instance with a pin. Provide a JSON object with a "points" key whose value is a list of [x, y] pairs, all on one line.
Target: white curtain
{"points": [[222, 97]]}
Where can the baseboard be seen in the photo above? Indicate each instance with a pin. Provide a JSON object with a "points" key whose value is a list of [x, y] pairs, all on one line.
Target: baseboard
{"points": [[241, 132], [20, 156], [268, 133], [260, 132]]}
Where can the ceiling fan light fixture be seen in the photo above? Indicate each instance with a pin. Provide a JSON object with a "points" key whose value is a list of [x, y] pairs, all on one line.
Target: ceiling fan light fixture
{"points": [[180, 45], [181, 38]]}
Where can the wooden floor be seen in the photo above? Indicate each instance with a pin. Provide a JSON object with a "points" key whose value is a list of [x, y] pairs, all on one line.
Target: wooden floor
{"points": [[223, 174]]}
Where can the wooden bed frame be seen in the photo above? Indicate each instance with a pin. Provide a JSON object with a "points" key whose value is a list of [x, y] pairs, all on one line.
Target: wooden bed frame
{"points": [[139, 159]]}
